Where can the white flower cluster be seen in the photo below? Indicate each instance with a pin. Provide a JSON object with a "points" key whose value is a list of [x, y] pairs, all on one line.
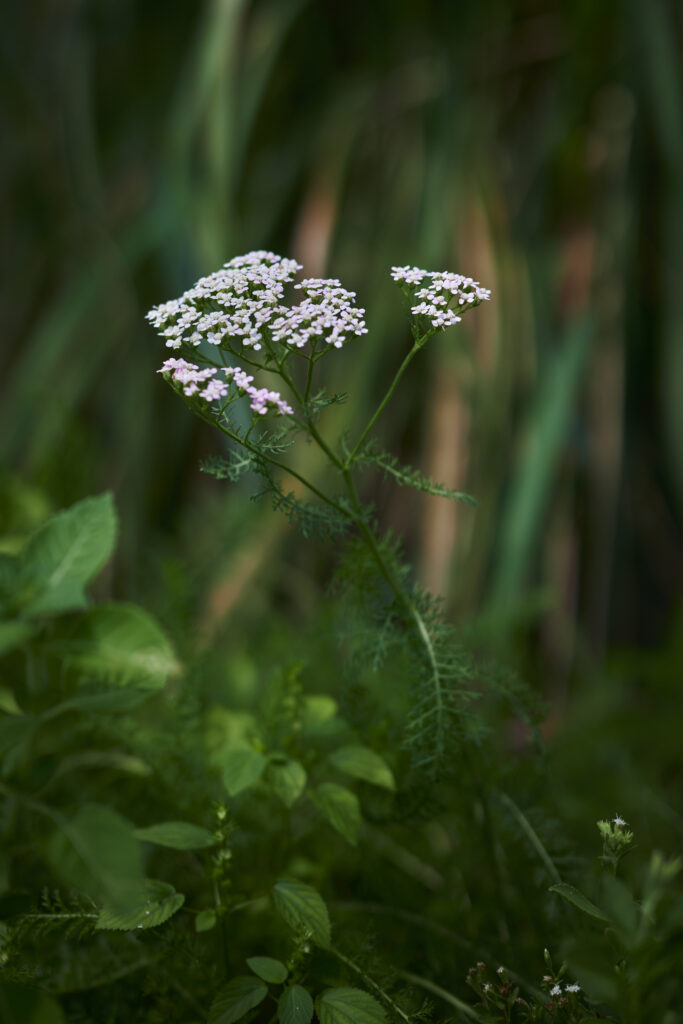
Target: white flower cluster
{"points": [[556, 990], [244, 299], [438, 290], [262, 400], [210, 387], [192, 379], [325, 314]]}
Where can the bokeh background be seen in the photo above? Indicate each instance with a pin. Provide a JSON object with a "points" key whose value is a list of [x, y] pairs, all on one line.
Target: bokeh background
{"points": [[537, 146]]}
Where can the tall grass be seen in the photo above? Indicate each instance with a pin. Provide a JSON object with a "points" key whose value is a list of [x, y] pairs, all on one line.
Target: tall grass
{"points": [[147, 144]]}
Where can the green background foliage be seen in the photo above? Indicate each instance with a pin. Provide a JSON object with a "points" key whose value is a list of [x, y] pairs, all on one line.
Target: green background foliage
{"points": [[537, 147]]}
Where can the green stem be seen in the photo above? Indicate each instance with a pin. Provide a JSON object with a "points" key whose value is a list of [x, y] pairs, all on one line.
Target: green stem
{"points": [[417, 345], [310, 425], [268, 458], [309, 378], [371, 983], [411, 608], [442, 993], [222, 923]]}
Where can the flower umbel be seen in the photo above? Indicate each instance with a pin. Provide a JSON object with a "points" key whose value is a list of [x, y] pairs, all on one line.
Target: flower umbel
{"points": [[444, 296], [243, 311]]}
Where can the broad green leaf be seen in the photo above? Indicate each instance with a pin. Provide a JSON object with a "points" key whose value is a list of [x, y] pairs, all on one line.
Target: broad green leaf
{"points": [[577, 899], [303, 908], [295, 1006], [235, 999], [13, 633], [120, 644], [116, 759], [620, 905], [348, 1006], [287, 780], [205, 921], [341, 808], [156, 902], [363, 763], [178, 835], [241, 769], [105, 843], [63, 555], [8, 702], [112, 701], [268, 969], [318, 707]]}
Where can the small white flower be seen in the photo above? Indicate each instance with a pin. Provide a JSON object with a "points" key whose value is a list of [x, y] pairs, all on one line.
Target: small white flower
{"points": [[437, 290], [618, 821], [500, 970], [556, 990], [572, 988], [487, 987]]}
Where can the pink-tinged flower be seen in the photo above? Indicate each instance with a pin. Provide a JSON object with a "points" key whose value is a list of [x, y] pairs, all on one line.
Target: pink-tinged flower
{"points": [[438, 291]]}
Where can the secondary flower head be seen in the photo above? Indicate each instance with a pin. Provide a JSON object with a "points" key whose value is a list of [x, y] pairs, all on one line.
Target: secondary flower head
{"points": [[443, 296], [205, 383]]}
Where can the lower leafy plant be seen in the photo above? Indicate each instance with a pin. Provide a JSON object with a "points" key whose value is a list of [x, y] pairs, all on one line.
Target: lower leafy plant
{"points": [[332, 853]]}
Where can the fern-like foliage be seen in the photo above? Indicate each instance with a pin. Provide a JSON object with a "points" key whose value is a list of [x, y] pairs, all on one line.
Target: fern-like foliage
{"points": [[322, 400], [233, 466], [444, 688], [405, 476], [74, 916], [241, 460], [316, 521]]}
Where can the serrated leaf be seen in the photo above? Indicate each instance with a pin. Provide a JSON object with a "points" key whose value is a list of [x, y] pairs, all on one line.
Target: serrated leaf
{"points": [[120, 644], [177, 835], [241, 769], [303, 907], [363, 763], [205, 921], [14, 633], [348, 1006], [63, 555], [341, 808], [295, 1006], [287, 779], [578, 900], [104, 842], [235, 999], [156, 903], [406, 476], [268, 969]]}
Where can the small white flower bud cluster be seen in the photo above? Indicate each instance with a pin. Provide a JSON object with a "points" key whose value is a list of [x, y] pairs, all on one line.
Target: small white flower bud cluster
{"points": [[325, 314], [262, 400], [192, 379], [238, 302], [212, 388], [438, 290]]}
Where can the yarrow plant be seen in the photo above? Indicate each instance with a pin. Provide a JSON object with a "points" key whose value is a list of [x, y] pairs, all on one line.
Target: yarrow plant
{"points": [[240, 328], [176, 849]]}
